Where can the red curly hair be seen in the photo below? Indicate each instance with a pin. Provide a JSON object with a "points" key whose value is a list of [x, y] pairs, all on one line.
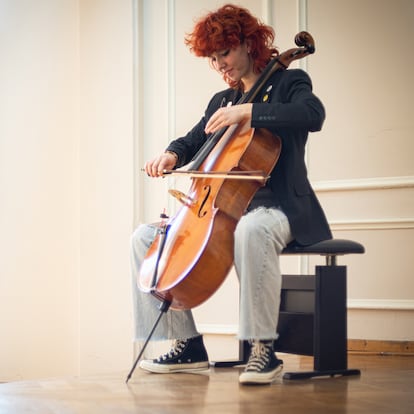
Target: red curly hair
{"points": [[230, 26]]}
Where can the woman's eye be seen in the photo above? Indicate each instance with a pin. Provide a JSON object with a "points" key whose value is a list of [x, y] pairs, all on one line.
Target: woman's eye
{"points": [[225, 53]]}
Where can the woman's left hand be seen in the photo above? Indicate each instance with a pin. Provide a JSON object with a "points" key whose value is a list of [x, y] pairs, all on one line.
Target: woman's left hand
{"points": [[229, 115]]}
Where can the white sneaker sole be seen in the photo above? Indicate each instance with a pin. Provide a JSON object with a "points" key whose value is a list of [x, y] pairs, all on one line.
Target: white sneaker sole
{"points": [[151, 366], [260, 378]]}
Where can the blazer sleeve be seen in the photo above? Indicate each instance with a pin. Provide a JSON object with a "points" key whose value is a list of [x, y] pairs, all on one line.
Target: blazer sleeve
{"points": [[292, 105]]}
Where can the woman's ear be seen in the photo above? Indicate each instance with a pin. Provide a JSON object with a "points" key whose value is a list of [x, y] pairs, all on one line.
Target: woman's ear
{"points": [[248, 45]]}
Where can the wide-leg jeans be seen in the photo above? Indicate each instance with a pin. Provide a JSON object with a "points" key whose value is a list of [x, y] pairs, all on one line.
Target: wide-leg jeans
{"points": [[260, 236]]}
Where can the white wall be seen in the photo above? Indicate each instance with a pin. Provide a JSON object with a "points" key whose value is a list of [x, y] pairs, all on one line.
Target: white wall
{"points": [[106, 184], [66, 211], [39, 208], [365, 174], [91, 88]]}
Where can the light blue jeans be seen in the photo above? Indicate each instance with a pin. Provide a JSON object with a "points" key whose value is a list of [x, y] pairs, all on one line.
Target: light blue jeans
{"points": [[260, 237]]}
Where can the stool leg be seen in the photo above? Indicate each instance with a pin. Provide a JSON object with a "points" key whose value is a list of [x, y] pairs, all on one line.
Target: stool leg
{"points": [[330, 325], [330, 339]]}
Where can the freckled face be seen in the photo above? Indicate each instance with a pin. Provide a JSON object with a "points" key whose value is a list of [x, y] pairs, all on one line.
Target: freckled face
{"points": [[233, 63]]}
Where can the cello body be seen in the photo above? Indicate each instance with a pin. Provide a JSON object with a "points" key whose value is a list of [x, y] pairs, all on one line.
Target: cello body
{"points": [[198, 251]]}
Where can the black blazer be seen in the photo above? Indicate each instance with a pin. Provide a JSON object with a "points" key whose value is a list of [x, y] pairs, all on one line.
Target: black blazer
{"points": [[288, 108]]}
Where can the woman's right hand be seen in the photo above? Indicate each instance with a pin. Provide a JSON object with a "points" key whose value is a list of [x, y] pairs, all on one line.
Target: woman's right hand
{"points": [[157, 166]]}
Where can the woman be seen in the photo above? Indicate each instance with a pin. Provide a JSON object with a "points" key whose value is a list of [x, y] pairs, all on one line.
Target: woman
{"points": [[239, 46]]}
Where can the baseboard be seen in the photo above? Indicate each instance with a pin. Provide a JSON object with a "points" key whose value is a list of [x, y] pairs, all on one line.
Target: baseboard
{"points": [[367, 346]]}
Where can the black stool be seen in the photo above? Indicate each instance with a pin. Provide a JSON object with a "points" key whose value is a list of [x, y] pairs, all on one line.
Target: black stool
{"points": [[313, 313]]}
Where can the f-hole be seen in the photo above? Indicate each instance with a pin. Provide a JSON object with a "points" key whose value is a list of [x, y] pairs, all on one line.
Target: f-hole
{"points": [[202, 213]]}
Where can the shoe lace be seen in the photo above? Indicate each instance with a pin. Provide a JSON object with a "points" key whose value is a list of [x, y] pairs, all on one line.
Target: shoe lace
{"points": [[259, 356], [176, 349]]}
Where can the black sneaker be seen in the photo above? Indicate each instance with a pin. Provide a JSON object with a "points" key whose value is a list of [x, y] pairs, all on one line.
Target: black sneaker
{"points": [[263, 366], [186, 355]]}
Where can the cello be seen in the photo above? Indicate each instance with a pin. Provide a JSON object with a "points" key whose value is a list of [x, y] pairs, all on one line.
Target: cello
{"points": [[193, 251]]}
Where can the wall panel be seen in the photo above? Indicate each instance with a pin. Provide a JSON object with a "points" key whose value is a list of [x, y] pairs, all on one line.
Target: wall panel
{"points": [[39, 213], [362, 72]]}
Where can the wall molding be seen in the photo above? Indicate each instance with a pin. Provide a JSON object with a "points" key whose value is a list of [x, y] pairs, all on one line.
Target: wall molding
{"points": [[352, 304], [381, 347], [137, 97], [373, 224], [381, 304], [218, 329], [374, 183], [364, 346]]}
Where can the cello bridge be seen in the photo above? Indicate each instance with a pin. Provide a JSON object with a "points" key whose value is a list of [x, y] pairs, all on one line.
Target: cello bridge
{"points": [[182, 198]]}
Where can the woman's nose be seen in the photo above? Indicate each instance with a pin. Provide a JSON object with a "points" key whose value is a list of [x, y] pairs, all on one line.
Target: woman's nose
{"points": [[222, 64]]}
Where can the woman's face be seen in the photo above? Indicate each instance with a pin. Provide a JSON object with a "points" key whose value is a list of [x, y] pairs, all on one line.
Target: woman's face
{"points": [[233, 63]]}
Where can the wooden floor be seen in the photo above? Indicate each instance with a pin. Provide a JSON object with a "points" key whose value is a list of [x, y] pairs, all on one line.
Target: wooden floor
{"points": [[386, 385]]}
